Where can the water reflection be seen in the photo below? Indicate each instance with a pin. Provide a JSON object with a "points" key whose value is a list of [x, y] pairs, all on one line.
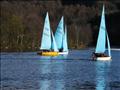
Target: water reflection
{"points": [[45, 68], [58, 85], [59, 72], [53, 74], [102, 69], [45, 85]]}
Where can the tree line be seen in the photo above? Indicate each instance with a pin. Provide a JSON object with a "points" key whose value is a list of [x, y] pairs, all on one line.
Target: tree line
{"points": [[22, 23]]}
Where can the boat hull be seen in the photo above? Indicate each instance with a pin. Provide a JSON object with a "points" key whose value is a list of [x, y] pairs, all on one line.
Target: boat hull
{"points": [[103, 58], [63, 53], [48, 53]]}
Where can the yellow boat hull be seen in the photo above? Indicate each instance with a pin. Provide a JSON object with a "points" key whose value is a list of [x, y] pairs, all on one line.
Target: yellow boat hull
{"points": [[49, 53]]}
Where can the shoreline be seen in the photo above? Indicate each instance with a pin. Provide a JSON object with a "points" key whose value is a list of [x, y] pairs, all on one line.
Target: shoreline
{"points": [[92, 48]]}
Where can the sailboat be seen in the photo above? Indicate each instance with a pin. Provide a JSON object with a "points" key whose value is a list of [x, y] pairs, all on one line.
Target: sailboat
{"points": [[61, 37], [48, 44], [101, 41]]}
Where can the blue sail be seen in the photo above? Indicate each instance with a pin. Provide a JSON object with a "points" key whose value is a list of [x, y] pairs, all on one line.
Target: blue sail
{"points": [[101, 42], [65, 44], [59, 33], [46, 36], [108, 44], [54, 46]]}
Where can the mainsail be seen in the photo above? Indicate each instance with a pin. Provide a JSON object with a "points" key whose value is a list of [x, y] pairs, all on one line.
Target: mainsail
{"points": [[46, 36], [101, 42], [59, 34]]}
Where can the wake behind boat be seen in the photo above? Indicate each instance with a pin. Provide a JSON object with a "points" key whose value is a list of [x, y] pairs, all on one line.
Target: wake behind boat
{"points": [[99, 53]]}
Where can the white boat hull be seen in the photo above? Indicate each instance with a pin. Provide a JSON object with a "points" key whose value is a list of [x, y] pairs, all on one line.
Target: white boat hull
{"points": [[103, 58], [63, 53]]}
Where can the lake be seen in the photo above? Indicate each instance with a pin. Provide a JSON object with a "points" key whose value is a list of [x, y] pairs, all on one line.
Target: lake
{"points": [[75, 71]]}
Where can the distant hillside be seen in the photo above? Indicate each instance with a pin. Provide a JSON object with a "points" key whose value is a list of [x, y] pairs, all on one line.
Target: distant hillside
{"points": [[22, 22]]}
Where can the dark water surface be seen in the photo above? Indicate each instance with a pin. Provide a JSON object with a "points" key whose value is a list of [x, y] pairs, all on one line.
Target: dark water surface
{"points": [[76, 71]]}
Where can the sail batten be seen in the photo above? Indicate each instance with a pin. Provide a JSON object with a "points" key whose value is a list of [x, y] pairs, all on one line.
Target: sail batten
{"points": [[46, 36]]}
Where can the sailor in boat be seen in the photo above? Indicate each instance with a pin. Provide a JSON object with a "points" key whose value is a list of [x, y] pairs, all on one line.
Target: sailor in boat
{"points": [[95, 55], [61, 50], [44, 50]]}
